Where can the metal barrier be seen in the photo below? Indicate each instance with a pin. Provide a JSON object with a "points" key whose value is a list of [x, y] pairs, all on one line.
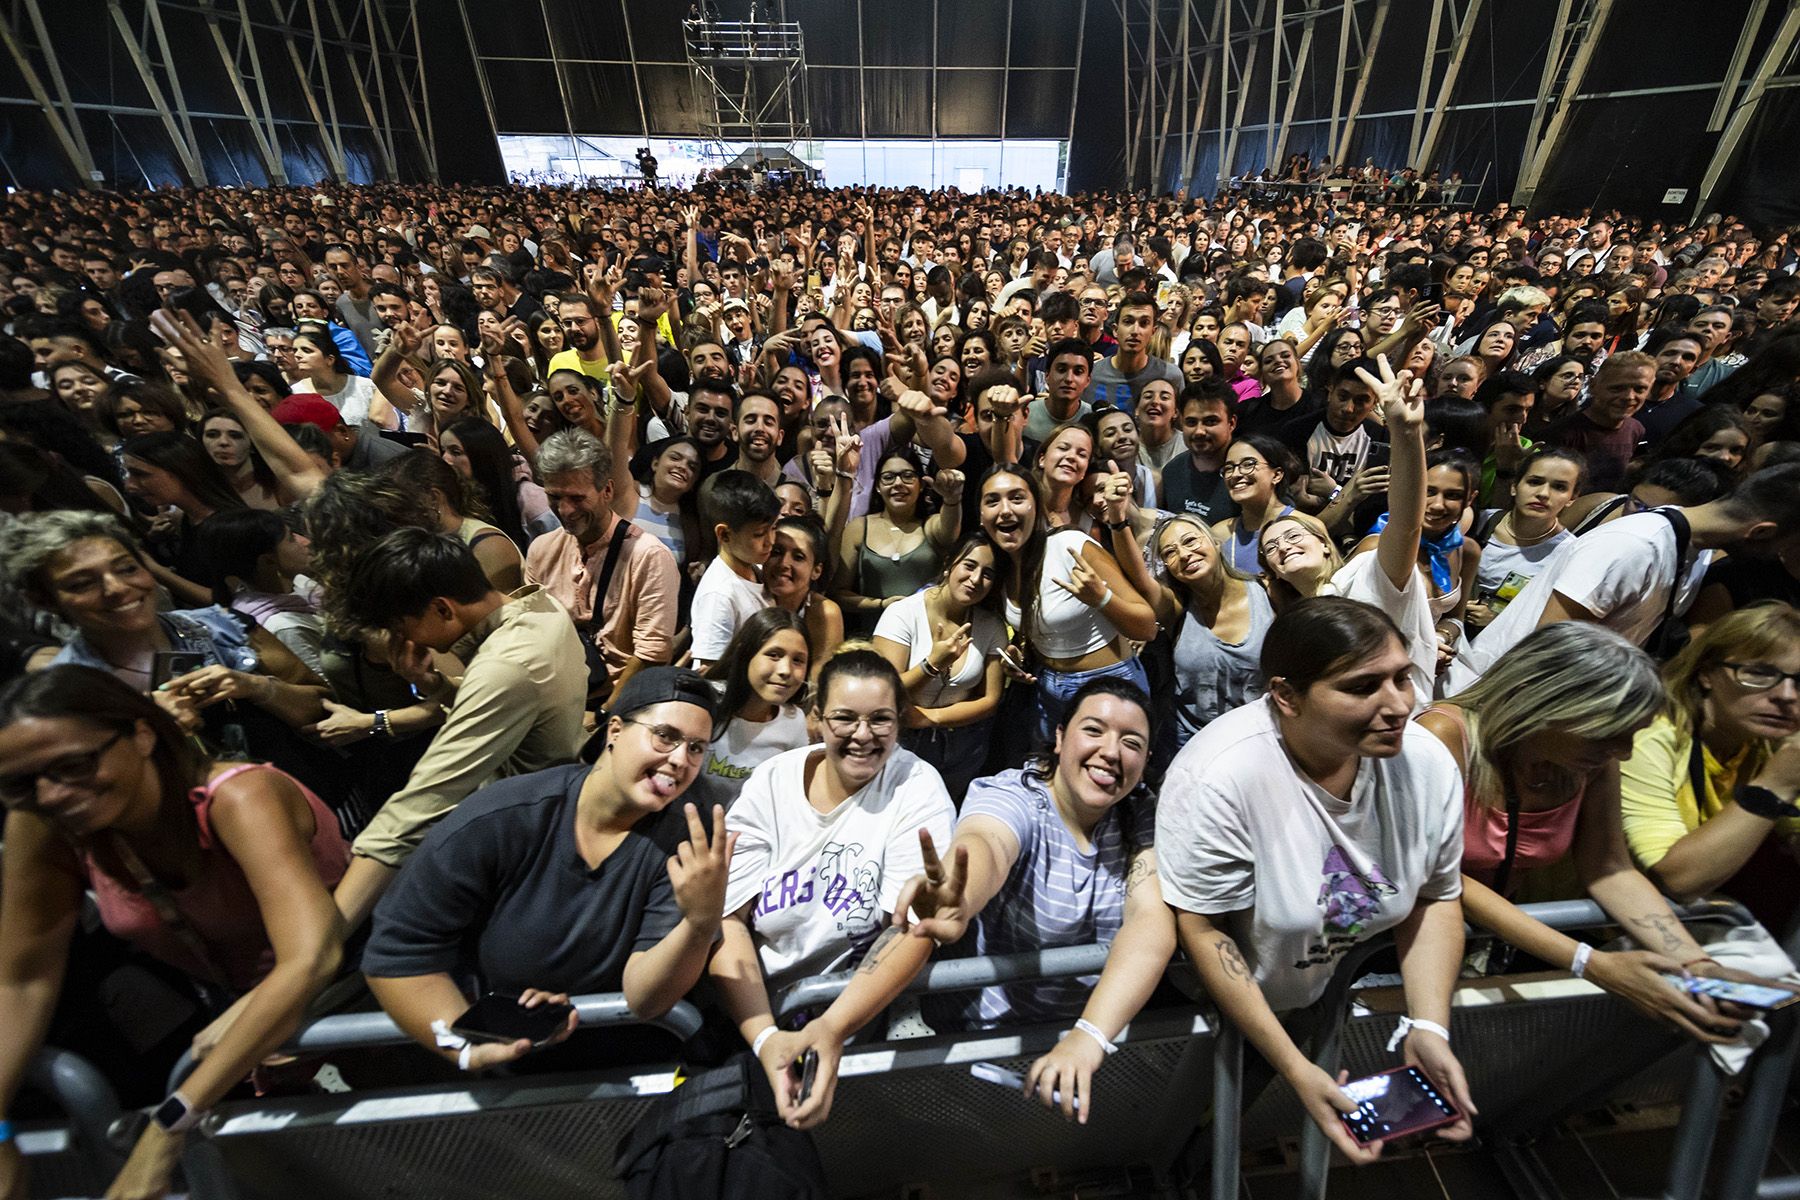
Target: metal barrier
{"points": [[81, 1157]]}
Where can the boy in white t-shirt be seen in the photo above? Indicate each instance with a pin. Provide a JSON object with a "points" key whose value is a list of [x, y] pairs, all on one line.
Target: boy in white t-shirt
{"points": [[741, 510]]}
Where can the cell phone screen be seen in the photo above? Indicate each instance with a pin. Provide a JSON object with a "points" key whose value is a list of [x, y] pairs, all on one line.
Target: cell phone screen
{"points": [[1750, 995], [498, 1018], [173, 664], [1394, 1104]]}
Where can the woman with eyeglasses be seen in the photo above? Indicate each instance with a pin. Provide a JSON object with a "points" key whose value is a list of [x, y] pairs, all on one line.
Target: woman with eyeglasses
{"points": [[827, 836], [1710, 787], [222, 871], [568, 881], [1258, 473], [895, 549]]}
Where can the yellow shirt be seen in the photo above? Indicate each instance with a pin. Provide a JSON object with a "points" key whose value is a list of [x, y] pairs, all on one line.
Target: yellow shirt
{"points": [[1656, 795], [571, 360]]}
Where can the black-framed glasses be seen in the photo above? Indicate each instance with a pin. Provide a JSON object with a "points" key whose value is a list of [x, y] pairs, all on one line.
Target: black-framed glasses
{"points": [[665, 738], [70, 771], [1243, 466], [1760, 677], [888, 477], [845, 724]]}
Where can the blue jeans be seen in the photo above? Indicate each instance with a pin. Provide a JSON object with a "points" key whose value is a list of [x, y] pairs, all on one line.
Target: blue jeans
{"points": [[1055, 688], [958, 754]]}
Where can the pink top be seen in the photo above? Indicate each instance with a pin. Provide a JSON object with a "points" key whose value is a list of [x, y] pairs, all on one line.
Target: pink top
{"points": [[219, 905], [1544, 835]]}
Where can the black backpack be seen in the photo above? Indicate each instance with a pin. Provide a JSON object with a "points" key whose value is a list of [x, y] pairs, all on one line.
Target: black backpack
{"points": [[719, 1134]]}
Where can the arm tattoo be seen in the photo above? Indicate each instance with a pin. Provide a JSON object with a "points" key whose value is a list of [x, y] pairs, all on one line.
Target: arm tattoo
{"points": [[1665, 927], [1141, 870], [1232, 959], [878, 950]]}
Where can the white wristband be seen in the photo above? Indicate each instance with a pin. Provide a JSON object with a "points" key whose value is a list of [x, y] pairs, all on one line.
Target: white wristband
{"points": [[1408, 1024], [1093, 1031], [1106, 599], [446, 1040], [1583, 952], [762, 1039]]}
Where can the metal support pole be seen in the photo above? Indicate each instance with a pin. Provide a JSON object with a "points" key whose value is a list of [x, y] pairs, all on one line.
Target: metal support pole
{"points": [[1346, 22], [481, 76], [278, 167], [1694, 1132], [53, 64], [637, 82], [1005, 91], [1075, 88], [1459, 50], [1228, 1109], [1734, 74], [183, 149], [1277, 47], [562, 87], [1540, 154], [266, 148], [384, 135], [154, 14], [1739, 124], [1431, 52], [1768, 1075], [1362, 79], [1243, 96], [1296, 74], [862, 99], [74, 151]]}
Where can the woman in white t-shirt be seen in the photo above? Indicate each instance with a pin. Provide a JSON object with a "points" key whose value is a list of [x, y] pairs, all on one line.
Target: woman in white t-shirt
{"points": [[826, 838], [764, 672], [945, 641], [1294, 827], [1516, 542], [1300, 559]]}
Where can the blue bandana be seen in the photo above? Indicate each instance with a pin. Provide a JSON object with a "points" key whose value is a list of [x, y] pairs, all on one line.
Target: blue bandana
{"points": [[1438, 550]]}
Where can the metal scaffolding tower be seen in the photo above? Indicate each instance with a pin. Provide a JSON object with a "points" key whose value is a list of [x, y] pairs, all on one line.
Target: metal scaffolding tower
{"points": [[749, 83]]}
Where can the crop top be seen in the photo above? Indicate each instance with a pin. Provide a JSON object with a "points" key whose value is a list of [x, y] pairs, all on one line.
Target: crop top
{"points": [[1063, 626]]}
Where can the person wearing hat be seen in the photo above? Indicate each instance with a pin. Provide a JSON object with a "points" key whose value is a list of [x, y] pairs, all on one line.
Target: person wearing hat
{"points": [[570, 881], [359, 447], [740, 325]]}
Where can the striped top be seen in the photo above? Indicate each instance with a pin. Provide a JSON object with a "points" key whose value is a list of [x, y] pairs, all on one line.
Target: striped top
{"points": [[665, 526], [1056, 895]]}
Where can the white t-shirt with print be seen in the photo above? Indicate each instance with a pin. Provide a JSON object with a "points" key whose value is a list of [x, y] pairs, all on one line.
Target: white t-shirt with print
{"points": [[824, 883], [723, 601], [907, 623], [746, 745], [1621, 572], [1305, 876], [1339, 457]]}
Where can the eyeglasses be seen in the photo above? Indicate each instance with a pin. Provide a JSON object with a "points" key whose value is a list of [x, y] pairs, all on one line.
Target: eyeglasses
{"points": [[72, 771], [887, 477], [1244, 466], [1760, 677], [1384, 310], [845, 724], [1282, 543], [665, 738]]}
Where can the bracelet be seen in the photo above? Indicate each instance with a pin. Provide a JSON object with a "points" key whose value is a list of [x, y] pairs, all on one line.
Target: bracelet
{"points": [[762, 1039], [382, 727], [1092, 1030], [844, 474], [1408, 1024], [1116, 526], [1106, 599], [447, 1040], [1583, 952], [930, 668]]}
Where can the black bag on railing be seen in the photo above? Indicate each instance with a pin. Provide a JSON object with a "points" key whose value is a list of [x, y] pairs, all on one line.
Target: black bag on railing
{"points": [[716, 1135]]}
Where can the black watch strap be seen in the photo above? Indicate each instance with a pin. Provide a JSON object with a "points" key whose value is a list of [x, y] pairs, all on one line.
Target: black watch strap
{"points": [[1761, 802]]}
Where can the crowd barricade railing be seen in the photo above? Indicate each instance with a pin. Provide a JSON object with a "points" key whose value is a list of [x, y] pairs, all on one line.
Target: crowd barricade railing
{"points": [[81, 1156]]}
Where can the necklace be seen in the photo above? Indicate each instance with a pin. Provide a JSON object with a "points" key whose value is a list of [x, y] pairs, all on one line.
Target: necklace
{"points": [[1518, 539]]}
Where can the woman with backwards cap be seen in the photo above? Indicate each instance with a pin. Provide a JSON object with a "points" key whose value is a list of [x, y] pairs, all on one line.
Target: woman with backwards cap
{"points": [[564, 882]]}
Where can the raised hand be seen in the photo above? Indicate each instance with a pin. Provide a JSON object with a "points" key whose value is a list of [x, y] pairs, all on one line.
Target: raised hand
{"points": [[846, 446], [1113, 490], [936, 898], [949, 643], [781, 277], [1402, 398], [699, 869], [819, 465], [948, 484], [1084, 583], [919, 406], [203, 356]]}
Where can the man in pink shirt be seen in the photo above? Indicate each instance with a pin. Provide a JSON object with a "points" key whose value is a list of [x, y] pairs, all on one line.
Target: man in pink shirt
{"points": [[618, 581]]}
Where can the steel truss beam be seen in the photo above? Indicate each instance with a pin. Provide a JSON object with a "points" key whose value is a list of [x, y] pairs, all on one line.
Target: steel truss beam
{"points": [[1367, 41], [1579, 25], [1774, 62], [61, 116], [1446, 46], [177, 121]]}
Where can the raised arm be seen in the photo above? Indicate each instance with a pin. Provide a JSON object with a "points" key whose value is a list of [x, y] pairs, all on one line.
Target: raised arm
{"points": [[512, 410], [294, 468], [1403, 403]]}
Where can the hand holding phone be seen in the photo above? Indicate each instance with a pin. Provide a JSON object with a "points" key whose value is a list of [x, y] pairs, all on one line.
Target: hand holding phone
{"points": [[497, 1017], [1763, 997], [1396, 1104], [994, 1073]]}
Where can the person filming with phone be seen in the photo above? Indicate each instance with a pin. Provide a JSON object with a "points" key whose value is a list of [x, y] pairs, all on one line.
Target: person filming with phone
{"points": [[563, 882]]}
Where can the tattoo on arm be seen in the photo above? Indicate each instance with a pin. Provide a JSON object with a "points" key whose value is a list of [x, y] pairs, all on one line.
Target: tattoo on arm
{"points": [[878, 950], [1141, 870], [1232, 959], [1666, 927]]}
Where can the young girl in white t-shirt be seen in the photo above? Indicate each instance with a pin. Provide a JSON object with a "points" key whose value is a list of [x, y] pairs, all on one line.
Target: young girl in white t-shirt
{"points": [[764, 673], [826, 838]]}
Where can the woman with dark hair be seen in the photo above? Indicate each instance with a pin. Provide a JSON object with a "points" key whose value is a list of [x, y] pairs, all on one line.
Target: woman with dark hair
{"points": [[135, 407], [1055, 853], [1335, 349], [263, 381], [1773, 415], [664, 497], [254, 558], [481, 456], [460, 511], [228, 445], [792, 576], [1717, 433], [222, 871], [1516, 541], [1260, 474], [1449, 562], [762, 712], [1773, 369], [846, 818], [1560, 380], [173, 478], [1326, 778], [324, 370], [896, 548], [946, 641], [81, 389]]}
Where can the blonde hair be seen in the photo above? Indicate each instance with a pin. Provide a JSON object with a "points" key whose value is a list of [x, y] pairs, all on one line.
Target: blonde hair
{"points": [[1758, 631], [1572, 677], [1280, 590]]}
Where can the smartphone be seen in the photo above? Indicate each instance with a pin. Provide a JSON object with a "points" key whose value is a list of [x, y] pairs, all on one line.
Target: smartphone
{"points": [[809, 1073], [1396, 1104], [995, 1073], [1750, 995], [500, 1018], [173, 664], [1434, 294]]}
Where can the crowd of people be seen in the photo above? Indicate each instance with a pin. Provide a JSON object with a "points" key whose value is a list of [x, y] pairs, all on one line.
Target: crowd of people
{"points": [[412, 594]]}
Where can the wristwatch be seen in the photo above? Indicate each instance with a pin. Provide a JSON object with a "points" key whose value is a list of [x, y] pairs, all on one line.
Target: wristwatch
{"points": [[1115, 526], [1761, 802], [177, 1114]]}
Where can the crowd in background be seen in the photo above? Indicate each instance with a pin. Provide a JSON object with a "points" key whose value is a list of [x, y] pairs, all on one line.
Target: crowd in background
{"points": [[409, 593]]}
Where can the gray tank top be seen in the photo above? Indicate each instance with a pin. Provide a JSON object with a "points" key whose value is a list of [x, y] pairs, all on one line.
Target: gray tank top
{"points": [[1213, 677]]}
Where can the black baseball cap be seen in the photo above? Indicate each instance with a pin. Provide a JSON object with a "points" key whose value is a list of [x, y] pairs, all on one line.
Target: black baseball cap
{"points": [[647, 689]]}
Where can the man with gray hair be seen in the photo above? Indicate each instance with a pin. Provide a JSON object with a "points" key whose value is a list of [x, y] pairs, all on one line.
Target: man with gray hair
{"points": [[618, 581]]}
